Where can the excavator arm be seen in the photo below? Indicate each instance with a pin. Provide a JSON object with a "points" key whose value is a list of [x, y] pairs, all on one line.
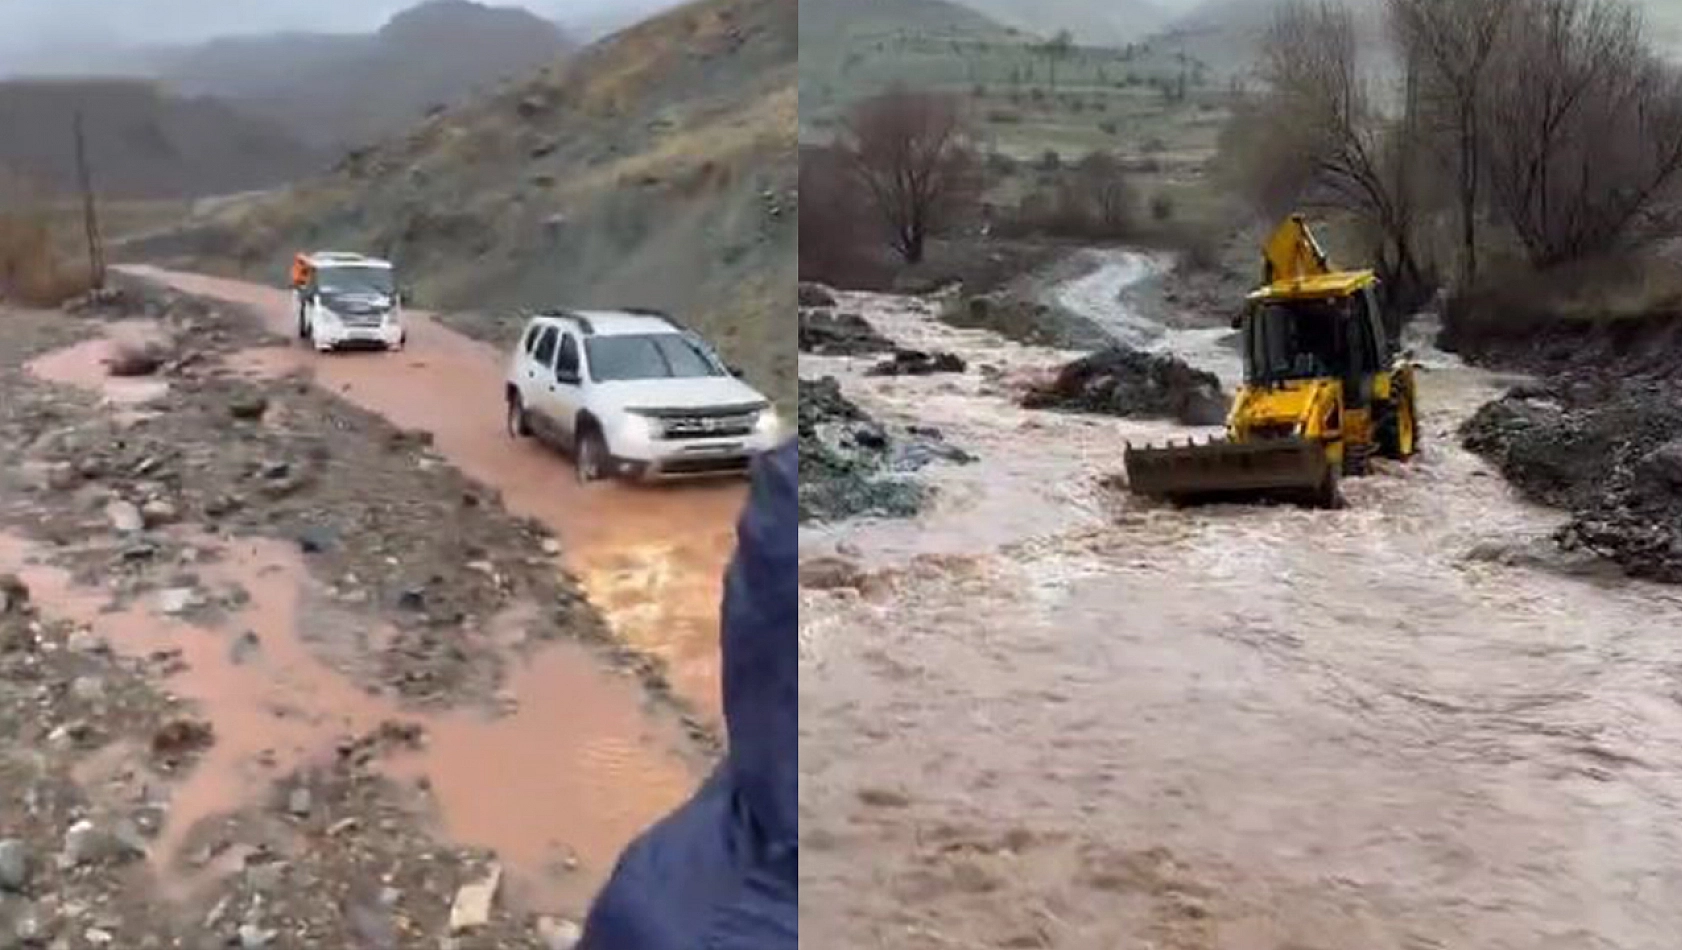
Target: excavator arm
{"points": [[1292, 253]]}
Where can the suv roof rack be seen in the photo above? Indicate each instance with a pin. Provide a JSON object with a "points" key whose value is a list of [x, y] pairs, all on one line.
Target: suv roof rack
{"points": [[561, 313], [656, 313]]}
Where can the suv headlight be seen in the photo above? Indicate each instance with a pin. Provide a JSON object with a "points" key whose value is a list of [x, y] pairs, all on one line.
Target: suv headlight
{"points": [[637, 426], [767, 423]]}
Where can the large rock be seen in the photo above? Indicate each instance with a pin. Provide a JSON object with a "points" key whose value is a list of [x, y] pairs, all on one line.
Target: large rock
{"points": [[87, 843], [472, 906], [124, 517], [1660, 471], [918, 363], [839, 334], [15, 865], [815, 295], [136, 356], [1122, 381], [14, 593]]}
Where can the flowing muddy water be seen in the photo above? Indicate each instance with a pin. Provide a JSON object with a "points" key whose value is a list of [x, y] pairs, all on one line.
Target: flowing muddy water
{"points": [[556, 788], [1056, 716]]}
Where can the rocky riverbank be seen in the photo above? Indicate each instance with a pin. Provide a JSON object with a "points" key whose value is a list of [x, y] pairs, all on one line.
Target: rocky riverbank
{"points": [[1608, 450]]}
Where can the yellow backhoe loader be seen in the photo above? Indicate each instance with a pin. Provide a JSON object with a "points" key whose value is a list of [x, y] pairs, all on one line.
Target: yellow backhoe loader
{"points": [[1324, 390]]}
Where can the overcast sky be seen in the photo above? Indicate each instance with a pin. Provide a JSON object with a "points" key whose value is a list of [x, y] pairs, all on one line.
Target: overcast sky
{"points": [[35, 23]]}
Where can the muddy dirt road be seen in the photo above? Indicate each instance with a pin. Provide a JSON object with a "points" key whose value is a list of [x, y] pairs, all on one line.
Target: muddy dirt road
{"points": [[1050, 715], [281, 671], [650, 558]]}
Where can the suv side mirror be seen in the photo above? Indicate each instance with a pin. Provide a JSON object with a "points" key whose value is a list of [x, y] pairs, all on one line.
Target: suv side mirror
{"points": [[735, 371]]}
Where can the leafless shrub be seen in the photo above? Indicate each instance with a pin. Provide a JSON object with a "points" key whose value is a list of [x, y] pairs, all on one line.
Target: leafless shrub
{"points": [[33, 271], [1093, 200], [1584, 147]]}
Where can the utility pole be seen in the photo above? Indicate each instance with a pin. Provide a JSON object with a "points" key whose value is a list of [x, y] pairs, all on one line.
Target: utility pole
{"points": [[90, 215]]}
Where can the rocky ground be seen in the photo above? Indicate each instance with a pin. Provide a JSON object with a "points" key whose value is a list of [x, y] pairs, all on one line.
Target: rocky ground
{"points": [[1607, 449], [139, 505], [853, 466], [1122, 381]]}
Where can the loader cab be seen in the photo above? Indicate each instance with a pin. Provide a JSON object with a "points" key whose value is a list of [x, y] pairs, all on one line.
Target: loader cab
{"points": [[1299, 333]]}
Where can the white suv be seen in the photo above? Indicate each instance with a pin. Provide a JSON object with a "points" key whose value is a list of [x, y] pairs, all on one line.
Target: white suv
{"points": [[347, 301], [632, 392]]}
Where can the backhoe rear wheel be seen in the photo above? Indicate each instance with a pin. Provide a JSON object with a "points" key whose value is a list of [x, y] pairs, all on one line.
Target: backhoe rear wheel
{"points": [[1330, 493]]}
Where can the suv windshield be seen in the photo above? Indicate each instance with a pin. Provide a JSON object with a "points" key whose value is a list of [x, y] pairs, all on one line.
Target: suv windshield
{"points": [[354, 280], [649, 356], [1296, 340]]}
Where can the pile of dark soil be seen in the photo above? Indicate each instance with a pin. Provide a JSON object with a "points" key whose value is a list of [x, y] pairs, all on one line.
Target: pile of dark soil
{"points": [[825, 333], [1122, 381], [844, 460], [1607, 449], [918, 363], [851, 466]]}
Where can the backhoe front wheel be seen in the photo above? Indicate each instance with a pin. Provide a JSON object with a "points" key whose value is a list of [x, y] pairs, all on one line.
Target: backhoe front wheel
{"points": [[1330, 493], [1398, 437]]}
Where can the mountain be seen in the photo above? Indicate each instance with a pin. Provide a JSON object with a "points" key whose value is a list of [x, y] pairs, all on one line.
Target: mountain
{"points": [[142, 141], [340, 90], [655, 168], [1110, 23]]}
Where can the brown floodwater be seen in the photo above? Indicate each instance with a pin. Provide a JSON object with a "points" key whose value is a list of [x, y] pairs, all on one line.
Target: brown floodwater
{"points": [[651, 557], [1060, 717], [577, 769]]}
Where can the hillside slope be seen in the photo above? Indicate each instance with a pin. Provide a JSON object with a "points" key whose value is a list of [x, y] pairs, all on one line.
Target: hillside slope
{"points": [[339, 90], [142, 142], [851, 48], [656, 168]]}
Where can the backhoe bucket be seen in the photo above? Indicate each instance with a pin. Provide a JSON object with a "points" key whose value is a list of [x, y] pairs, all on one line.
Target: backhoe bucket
{"points": [[1290, 470]]}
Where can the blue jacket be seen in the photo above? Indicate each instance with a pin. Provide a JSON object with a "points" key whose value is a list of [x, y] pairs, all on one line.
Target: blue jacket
{"points": [[720, 872]]}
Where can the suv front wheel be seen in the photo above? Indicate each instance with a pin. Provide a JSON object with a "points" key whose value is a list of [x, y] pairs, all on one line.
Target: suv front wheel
{"points": [[589, 456], [518, 425]]}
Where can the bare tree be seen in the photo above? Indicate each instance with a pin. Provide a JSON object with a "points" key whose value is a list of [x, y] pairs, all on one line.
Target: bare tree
{"points": [[907, 149], [1055, 50], [1320, 112], [1585, 129], [1454, 41], [1102, 185]]}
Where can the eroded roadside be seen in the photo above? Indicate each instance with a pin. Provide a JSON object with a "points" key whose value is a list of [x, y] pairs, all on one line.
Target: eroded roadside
{"points": [[277, 674]]}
